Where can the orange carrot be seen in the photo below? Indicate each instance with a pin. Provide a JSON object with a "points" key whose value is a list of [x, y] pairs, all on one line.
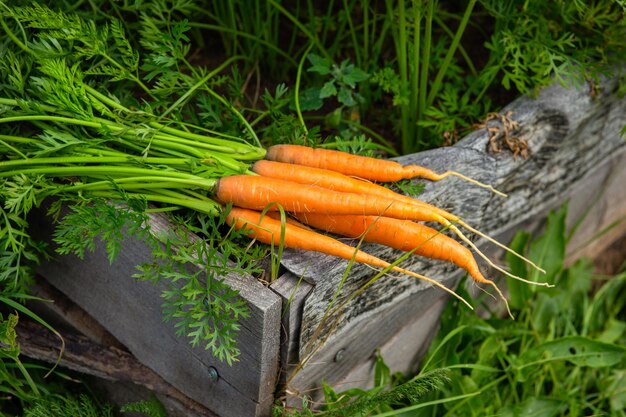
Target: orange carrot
{"points": [[257, 192], [268, 230], [290, 220], [367, 168], [402, 235], [339, 182]]}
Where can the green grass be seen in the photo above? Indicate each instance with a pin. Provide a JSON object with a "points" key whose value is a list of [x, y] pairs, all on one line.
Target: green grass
{"points": [[434, 67]]}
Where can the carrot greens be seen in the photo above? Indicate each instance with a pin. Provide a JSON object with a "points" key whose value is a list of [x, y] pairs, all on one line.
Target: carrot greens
{"points": [[103, 126]]}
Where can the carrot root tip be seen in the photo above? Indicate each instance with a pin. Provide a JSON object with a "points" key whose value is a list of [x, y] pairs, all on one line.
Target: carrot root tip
{"points": [[473, 181], [503, 298]]}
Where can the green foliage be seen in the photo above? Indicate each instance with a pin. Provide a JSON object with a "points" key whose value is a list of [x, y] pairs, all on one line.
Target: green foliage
{"points": [[561, 356], [15, 379], [150, 408], [436, 63], [567, 40], [387, 394], [19, 253], [204, 308], [412, 188], [52, 118], [342, 83], [62, 406], [109, 221]]}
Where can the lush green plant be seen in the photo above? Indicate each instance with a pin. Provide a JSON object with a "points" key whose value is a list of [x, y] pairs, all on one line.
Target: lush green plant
{"points": [[447, 60], [563, 355], [388, 392], [56, 405], [65, 406], [52, 60]]}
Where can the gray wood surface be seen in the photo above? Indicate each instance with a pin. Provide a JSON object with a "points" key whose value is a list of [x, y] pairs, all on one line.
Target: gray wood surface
{"points": [[131, 312], [576, 154], [294, 292]]}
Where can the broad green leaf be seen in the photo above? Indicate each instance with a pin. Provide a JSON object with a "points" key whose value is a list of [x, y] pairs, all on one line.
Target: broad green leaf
{"points": [[534, 407], [328, 90], [310, 99], [356, 75], [578, 350], [318, 64], [615, 329], [544, 310], [487, 357], [345, 97], [548, 251], [468, 386], [519, 292], [616, 390]]}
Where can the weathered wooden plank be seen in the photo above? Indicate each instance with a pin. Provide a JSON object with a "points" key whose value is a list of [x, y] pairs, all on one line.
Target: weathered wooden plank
{"points": [[106, 362], [131, 311], [293, 292], [61, 313], [402, 352], [603, 195], [575, 151]]}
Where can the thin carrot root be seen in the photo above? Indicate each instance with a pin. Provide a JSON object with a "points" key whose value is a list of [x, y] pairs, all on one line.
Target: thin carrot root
{"points": [[502, 297], [501, 245], [437, 284], [471, 180], [493, 265]]}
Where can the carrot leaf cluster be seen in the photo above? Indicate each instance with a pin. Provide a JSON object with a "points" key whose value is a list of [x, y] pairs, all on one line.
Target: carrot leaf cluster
{"points": [[98, 121]]}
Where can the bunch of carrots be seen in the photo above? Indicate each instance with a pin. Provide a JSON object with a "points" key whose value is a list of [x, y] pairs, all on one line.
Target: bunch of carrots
{"points": [[61, 137], [327, 190], [338, 193]]}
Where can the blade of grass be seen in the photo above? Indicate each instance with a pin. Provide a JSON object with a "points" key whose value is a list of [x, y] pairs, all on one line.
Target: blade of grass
{"points": [[443, 69], [297, 90], [314, 39], [26, 311]]}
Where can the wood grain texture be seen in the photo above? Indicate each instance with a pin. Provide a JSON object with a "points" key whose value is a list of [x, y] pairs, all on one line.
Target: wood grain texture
{"points": [[294, 293], [63, 314], [576, 155], [131, 312]]}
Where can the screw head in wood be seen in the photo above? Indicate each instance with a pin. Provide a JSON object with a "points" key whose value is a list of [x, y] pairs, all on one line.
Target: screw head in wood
{"points": [[213, 375], [340, 355]]}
